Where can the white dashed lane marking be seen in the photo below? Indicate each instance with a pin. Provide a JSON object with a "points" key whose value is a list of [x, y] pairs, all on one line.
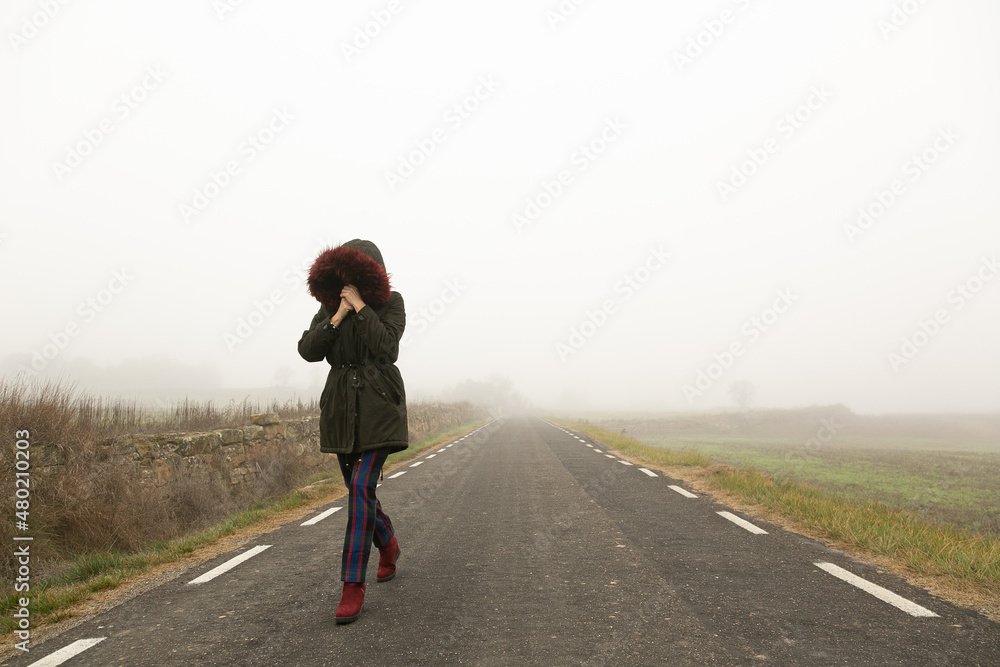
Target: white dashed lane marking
{"points": [[610, 456], [597, 450], [883, 594], [742, 523], [418, 463], [398, 474], [648, 472], [683, 492], [319, 517], [625, 463], [229, 564], [430, 456], [67, 652]]}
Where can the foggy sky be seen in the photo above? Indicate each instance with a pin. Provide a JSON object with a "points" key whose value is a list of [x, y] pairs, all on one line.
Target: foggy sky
{"points": [[168, 170]]}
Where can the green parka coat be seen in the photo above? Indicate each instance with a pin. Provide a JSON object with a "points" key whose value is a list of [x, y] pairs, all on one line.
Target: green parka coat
{"points": [[363, 405]]}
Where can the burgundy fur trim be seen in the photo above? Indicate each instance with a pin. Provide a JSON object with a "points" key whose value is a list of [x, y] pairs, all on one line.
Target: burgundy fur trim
{"points": [[336, 267]]}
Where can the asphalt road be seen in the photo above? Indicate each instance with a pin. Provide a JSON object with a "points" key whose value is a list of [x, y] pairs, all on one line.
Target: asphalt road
{"points": [[526, 544]]}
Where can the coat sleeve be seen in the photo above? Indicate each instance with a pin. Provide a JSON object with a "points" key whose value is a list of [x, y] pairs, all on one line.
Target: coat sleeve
{"points": [[382, 335], [318, 338]]}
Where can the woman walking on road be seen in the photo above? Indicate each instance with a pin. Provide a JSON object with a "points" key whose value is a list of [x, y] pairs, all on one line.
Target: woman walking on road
{"points": [[363, 405]]}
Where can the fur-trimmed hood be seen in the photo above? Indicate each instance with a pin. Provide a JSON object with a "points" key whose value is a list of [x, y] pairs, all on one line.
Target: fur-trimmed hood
{"points": [[357, 263]]}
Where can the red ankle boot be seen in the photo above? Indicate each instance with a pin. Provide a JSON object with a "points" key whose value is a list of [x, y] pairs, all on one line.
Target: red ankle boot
{"points": [[387, 558], [351, 602]]}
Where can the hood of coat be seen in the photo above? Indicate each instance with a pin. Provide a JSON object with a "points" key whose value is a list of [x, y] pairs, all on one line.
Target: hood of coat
{"points": [[357, 262]]}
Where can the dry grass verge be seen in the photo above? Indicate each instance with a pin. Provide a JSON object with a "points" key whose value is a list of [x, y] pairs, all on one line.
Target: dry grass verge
{"points": [[957, 565]]}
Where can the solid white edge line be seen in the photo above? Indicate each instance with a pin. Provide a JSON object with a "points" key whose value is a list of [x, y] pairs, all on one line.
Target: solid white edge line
{"points": [[319, 517], [683, 492], [398, 474], [229, 564], [67, 652], [883, 594], [742, 523], [418, 463], [648, 472]]}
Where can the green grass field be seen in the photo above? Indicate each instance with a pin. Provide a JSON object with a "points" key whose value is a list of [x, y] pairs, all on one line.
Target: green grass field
{"points": [[948, 475]]}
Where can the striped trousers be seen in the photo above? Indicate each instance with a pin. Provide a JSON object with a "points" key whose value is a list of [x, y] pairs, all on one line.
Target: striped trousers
{"points": [[366, 522]]}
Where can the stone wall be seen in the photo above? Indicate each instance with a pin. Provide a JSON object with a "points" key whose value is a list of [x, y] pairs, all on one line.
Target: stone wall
{"points": [[426, 419], [236, 457]]}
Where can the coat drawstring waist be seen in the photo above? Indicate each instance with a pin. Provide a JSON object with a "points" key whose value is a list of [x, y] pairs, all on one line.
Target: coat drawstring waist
{"points": [[355, 379]]}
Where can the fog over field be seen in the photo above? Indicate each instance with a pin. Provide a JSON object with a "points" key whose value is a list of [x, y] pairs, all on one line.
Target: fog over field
{"points": [[598, 205]]}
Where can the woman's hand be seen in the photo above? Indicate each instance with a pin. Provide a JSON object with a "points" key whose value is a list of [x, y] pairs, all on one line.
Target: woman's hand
{"points": [[341, 313], [353, 297]]}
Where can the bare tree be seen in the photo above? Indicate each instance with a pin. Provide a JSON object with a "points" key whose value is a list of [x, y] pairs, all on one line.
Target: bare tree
{"points": [[742, 392]]}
